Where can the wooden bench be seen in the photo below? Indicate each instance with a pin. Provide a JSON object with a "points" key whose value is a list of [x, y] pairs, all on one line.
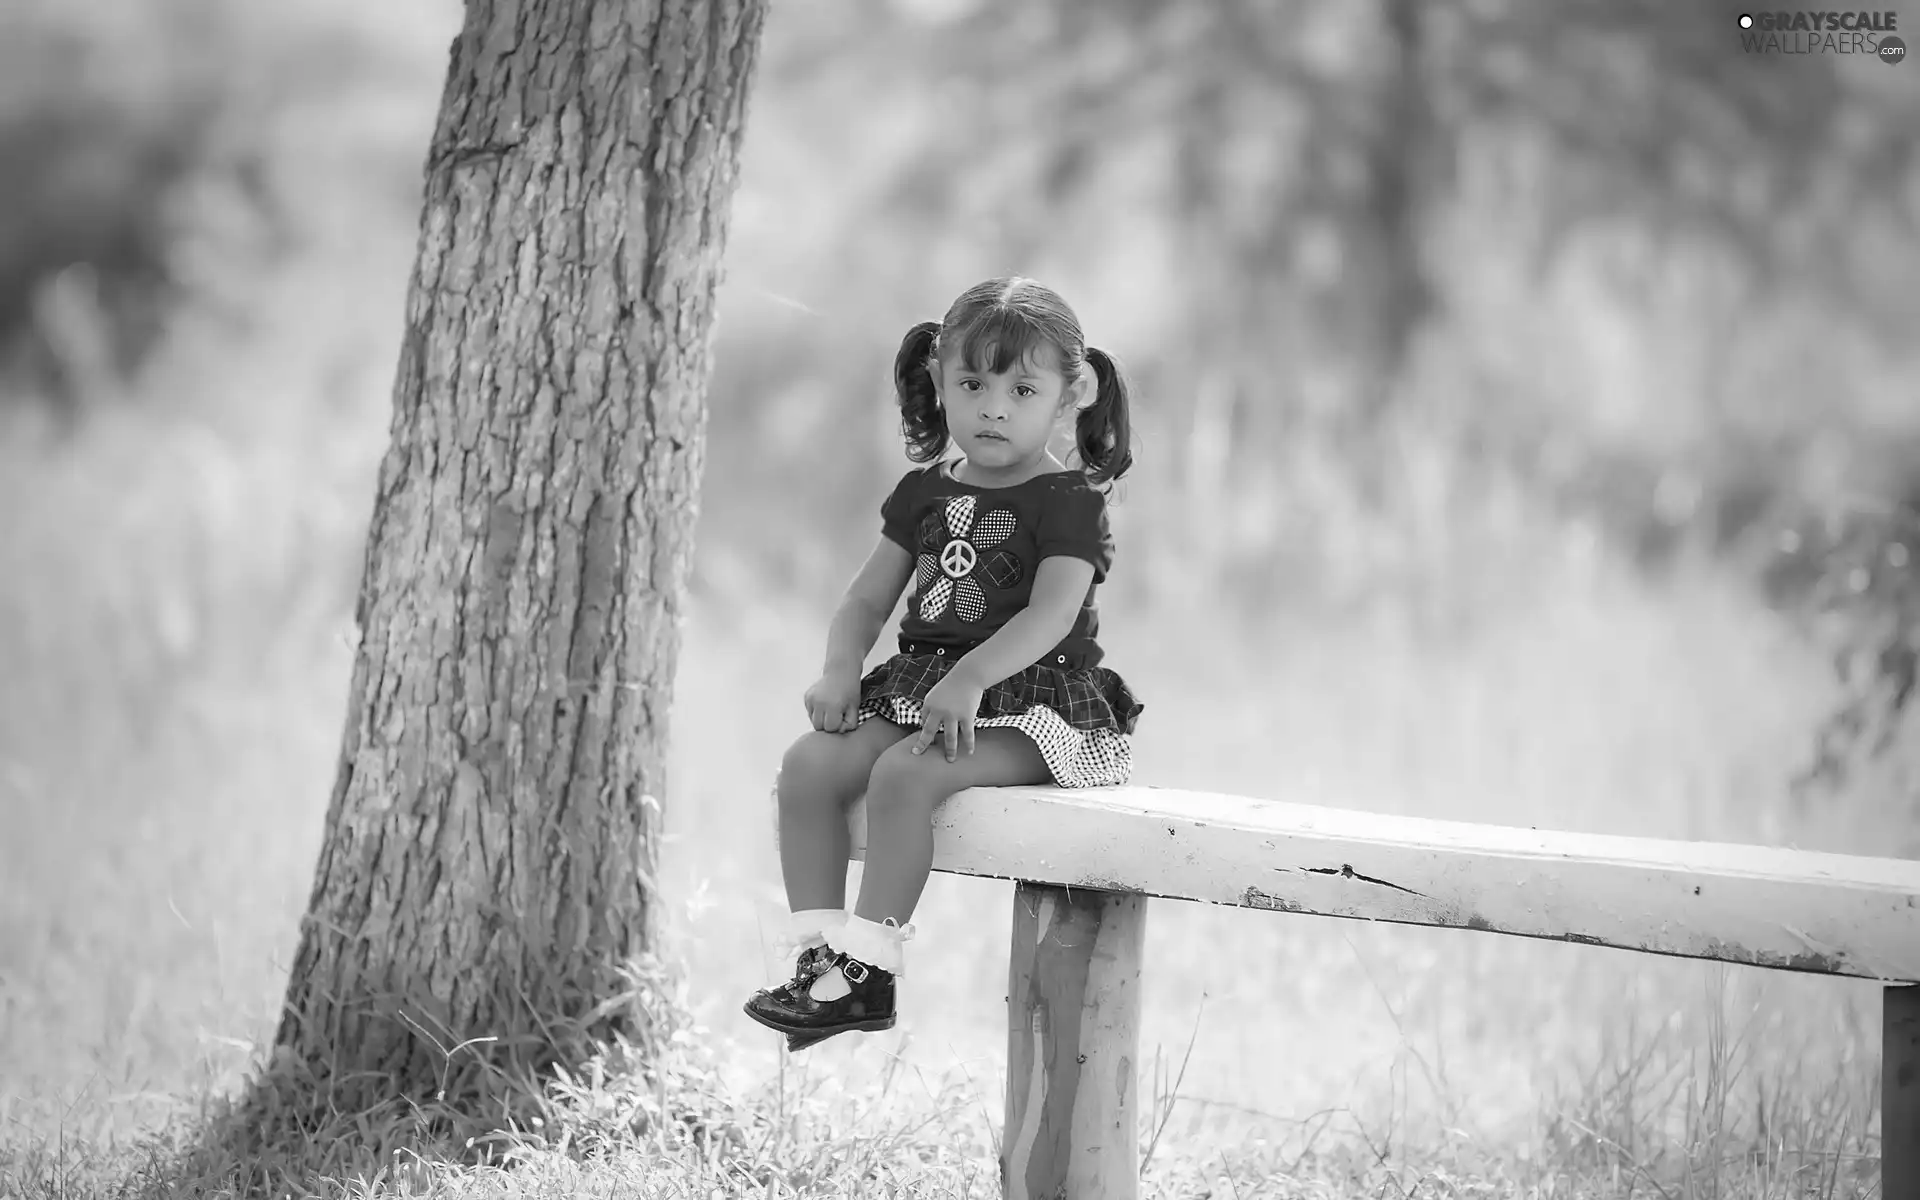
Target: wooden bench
{"points": [[1085, 862]]}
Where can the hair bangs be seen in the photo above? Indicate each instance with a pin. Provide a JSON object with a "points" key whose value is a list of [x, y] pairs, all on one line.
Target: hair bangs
{"points": [[995, 339]]}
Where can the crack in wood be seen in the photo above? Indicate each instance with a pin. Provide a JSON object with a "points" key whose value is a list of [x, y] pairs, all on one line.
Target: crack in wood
{"points": [[1346, 871]]}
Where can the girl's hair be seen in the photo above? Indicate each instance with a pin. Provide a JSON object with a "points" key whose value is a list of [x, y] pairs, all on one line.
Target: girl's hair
{"points": [[1008, 318]]}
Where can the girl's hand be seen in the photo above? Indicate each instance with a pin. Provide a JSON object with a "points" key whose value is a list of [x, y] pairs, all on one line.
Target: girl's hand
{"points": [[833, 702], [949, 708]]}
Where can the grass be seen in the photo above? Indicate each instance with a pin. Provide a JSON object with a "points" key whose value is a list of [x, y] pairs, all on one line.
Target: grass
{"points": [[667, 1126], [663, 1122]]}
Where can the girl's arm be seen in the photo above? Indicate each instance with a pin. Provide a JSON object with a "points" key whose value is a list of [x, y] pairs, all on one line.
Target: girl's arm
{"points": [[1059, 587], [864, 610]]}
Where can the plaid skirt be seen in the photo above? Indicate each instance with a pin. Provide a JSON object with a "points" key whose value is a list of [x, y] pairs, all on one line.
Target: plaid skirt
{"points": [[1081, 718]]}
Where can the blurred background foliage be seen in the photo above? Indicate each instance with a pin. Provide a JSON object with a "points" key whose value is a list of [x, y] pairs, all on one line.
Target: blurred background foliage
{"points": [[1466, 334], [1404, 285]]}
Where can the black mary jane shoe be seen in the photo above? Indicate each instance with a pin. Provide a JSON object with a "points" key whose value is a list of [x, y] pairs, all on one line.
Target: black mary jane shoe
{"points": [[868, 1007], [811, 963]]}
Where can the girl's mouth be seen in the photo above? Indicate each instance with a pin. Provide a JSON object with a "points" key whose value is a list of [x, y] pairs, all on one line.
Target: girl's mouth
{"points": [[990, 434]]}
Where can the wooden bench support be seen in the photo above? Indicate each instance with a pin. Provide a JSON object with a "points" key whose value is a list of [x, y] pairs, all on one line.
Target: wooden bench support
{"points": [[1900, 1091], [1073, 1044]]}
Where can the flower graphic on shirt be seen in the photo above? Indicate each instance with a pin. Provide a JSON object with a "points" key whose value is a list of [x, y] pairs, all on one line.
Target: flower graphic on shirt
{"points": [[959, 547]]}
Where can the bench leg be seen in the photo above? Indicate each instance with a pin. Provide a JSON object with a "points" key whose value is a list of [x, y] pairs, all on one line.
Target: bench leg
{"points": [[1073, 1045], [1900, 1091]]}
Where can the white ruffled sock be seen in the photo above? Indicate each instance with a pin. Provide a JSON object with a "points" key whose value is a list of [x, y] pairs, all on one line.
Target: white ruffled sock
{"points": [[875, 943], [810, 926]]}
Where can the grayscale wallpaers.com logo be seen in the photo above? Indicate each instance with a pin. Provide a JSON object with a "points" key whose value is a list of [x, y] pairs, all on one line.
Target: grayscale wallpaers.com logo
{"points": [[1870, 33]]}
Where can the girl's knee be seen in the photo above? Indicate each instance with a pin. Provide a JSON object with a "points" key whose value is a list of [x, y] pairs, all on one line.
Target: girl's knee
{"points": [[902, 777], [818, 765], [804, 757]]}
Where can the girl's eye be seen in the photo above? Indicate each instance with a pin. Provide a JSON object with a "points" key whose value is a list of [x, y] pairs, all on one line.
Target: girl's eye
{"points": [[1025, 390], [970, 384]]}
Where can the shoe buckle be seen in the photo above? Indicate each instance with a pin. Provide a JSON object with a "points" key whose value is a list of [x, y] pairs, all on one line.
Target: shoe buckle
{"points": [[854, 970]]}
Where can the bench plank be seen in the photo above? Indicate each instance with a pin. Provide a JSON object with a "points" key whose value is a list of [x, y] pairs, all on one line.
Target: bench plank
{"points": [[1763, 906]]}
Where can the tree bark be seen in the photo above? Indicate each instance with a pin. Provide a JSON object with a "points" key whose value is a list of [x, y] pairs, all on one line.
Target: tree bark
{"points": [[490, 844]]}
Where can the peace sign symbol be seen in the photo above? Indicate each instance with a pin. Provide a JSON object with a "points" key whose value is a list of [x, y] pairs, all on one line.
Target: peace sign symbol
{"points": [[958, 558]]}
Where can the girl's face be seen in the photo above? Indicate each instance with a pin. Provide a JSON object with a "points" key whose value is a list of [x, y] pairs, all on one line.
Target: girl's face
{"points": [[1004, 421]]}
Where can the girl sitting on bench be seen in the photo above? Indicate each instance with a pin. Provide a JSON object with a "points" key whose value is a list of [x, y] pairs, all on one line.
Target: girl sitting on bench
{"points": [[998, 679]]}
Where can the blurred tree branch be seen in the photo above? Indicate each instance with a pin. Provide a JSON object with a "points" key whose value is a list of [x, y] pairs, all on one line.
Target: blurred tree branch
{"points": [[1658, 108], [1650, 112]]}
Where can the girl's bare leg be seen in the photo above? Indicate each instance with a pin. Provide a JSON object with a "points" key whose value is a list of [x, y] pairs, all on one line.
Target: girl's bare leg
{"points": [[902, 792], [821, 775]]}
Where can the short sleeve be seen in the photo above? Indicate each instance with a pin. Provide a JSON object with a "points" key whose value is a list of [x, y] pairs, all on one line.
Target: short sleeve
{"points": [[1074, 523], [898, 512]]}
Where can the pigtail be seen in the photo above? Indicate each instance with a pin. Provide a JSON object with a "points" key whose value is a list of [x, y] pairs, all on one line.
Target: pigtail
{"points": [[922, 421], [1103, 433]]}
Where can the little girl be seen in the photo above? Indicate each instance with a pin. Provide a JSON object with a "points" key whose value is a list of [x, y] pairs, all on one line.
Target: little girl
{"points": [[998, 681]]}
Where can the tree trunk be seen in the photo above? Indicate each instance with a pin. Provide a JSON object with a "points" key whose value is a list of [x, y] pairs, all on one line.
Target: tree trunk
{"points": [[489, 854]]}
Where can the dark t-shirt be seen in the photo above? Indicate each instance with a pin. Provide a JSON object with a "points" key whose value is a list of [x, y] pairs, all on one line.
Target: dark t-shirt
{"points": [[975, 551]]}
